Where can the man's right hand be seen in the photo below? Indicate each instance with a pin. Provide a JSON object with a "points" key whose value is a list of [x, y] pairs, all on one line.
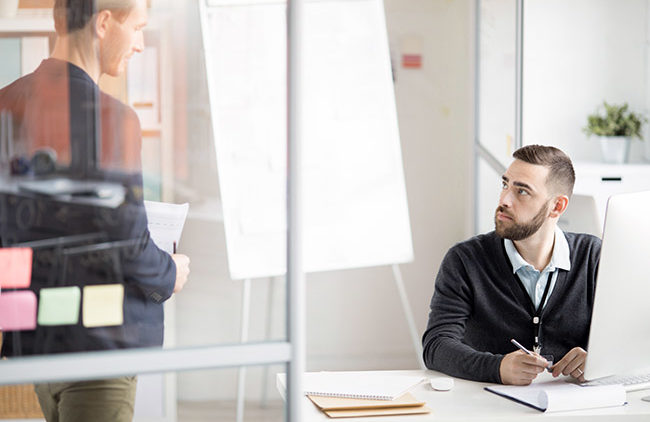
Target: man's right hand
{"points": [[519, 368], [182, 263]]}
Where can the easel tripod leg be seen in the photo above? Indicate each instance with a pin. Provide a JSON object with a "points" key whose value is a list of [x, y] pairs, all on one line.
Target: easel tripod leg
{"points": [[408, 312], [245, 318]]}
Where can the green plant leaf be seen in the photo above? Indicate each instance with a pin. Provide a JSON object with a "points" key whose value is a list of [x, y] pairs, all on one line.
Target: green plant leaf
{"points": [[617, 121]]}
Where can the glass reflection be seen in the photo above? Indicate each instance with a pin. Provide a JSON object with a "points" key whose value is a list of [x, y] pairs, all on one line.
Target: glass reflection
{"points": [[72, 193]]}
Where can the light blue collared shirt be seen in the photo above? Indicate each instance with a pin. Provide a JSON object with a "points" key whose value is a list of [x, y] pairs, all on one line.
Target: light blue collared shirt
{"points": [[535, 281]]}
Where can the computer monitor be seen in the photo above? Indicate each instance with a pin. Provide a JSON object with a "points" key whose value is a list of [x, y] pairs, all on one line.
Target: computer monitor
{"points": [[619, 340]]}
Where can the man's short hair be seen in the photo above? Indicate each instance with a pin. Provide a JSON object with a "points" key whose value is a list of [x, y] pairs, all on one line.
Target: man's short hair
{"points": [[73, 15], [561, 176]]}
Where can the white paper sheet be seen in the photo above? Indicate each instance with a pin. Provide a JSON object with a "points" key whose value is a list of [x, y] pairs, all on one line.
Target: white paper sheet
{"points": [[358, 385], [355, 205], [165, 222]]}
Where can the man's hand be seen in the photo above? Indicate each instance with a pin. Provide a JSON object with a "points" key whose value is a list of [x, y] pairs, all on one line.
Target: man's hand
{"points": [[182, 263], [519, 368], [573, 363]]}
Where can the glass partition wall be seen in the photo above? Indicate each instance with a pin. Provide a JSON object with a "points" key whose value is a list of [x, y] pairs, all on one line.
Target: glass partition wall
{"points": [[92, 284], [498, 105]]}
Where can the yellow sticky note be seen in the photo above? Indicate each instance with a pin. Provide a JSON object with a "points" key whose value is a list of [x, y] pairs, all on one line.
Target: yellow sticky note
{"points": [[103, 305]]}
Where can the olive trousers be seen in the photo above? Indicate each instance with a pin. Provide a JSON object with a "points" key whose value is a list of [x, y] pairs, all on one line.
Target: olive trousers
{"points": [[110, 400]]}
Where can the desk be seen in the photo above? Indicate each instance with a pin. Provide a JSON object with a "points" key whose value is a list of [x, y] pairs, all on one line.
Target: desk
{"points": [[467, 401]]}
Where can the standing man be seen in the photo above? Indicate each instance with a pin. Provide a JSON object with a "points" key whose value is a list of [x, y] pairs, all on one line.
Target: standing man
{"points": [[94, 138], [527, 280]]}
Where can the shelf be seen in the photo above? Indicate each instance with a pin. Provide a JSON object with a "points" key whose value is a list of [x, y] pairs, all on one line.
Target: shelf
{"points": [[151, 133], [26, 24], [44, 23], [596, 166]]}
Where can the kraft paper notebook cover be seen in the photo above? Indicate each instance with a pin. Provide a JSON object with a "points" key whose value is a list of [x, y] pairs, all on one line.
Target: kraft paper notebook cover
{"points": [[337, 403], [359, 413]]}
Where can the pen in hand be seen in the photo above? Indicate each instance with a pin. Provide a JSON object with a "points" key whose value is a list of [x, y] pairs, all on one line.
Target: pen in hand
{"points": [[528, 352], [174, 250]]}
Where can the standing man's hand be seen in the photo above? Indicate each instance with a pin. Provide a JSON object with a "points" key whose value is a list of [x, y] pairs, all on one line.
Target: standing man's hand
{"points": [[573, 363], [182, 263], [519, 368]]}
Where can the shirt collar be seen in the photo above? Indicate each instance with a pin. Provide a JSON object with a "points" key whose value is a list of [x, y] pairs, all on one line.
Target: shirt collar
{"points": [[560, 258]]}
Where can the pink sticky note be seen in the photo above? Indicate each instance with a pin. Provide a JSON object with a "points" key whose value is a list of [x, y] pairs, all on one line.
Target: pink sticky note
{"points": [[16, 268], [17, 310]]}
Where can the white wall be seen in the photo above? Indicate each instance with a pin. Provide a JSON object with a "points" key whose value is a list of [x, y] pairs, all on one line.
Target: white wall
{"points": [[575, 55], [354, 317]]}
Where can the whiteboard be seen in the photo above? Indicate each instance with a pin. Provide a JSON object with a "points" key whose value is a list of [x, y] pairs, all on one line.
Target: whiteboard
{"points": [[354, 205]]}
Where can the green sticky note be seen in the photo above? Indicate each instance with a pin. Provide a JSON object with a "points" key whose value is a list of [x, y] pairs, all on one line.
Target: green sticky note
{"points": [[103, 305], [59, 306]]}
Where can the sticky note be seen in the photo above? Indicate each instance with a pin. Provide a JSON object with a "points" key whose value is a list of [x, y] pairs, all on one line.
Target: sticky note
{"points": [[16, 265], [17, 311], [59, 306], [103, 305]]}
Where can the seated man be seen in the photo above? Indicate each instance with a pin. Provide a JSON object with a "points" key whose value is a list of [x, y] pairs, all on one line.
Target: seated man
{"points": [[527, 280]]}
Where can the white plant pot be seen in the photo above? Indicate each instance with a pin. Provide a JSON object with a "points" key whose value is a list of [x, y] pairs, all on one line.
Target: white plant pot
{"points": [[8, 8], [614, 149]]}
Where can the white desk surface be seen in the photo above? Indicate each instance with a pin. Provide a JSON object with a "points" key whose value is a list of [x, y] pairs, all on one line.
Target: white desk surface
{"points": [[468, 401]]}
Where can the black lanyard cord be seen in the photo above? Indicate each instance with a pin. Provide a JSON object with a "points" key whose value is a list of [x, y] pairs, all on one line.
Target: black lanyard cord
{"points": [[537, 312], [537, 319]]}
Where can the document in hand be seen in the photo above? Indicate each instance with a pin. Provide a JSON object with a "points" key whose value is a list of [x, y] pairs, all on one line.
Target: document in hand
{"points": [[165, 223], [559, 395]]}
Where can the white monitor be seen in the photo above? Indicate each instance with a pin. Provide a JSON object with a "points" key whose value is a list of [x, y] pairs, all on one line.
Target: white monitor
{"points": [[619, 340]]}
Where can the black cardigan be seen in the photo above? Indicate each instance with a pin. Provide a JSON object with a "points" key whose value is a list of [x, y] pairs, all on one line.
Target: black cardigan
{"points": [[478, 306]]}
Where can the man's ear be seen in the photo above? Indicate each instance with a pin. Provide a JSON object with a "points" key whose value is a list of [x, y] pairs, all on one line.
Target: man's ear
{"points": [[102, 22], [559, 205]]}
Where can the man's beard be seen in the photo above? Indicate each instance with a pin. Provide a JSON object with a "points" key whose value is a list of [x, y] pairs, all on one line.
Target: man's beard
{"points": [[519, 231]]}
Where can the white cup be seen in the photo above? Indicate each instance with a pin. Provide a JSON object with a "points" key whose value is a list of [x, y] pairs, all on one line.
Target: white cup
{"points": [[8, 8]]}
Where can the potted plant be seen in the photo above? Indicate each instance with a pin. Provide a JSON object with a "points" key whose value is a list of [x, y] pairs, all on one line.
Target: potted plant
{"points": [[614, 129]]}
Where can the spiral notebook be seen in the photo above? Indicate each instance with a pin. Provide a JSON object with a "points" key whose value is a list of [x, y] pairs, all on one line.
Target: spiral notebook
{"points": [[336, 407], [358, 385]]}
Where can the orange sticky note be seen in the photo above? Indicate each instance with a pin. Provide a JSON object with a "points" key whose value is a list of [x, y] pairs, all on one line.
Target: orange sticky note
{"points": [[16, 265], [18, 310]]}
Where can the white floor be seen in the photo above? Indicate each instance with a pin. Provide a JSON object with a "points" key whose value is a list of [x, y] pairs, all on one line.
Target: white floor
{"points": [[226, 411], [221, 411]]}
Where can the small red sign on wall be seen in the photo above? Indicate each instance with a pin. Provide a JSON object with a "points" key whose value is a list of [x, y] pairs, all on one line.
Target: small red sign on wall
{"points": [[411, 51], [412, 61]]}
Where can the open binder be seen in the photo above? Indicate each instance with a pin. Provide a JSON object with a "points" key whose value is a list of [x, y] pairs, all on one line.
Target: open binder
{"points": [[559, 395]]}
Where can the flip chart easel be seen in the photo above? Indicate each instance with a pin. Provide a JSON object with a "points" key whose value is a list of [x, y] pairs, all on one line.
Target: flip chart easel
{"points": [[355, 206]]}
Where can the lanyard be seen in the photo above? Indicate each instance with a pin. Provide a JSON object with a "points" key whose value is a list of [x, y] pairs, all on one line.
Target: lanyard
{"points": [[537, 318]]}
